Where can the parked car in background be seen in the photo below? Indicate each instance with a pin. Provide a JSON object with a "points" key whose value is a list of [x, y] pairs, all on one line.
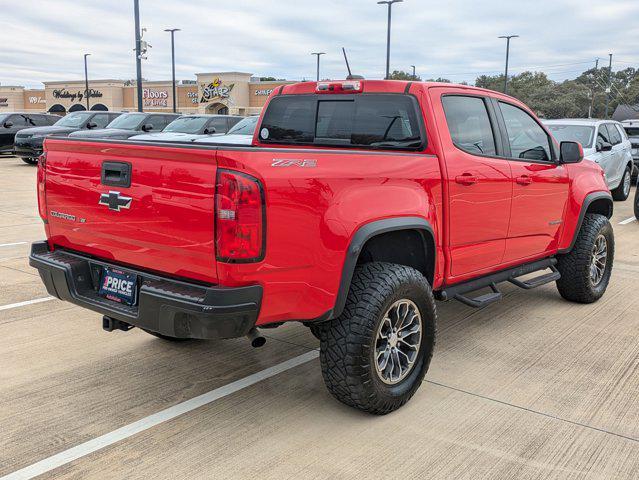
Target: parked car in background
{"points": [[605, 142], [28, 142], [12, 123], [192, 127], [130, 124], [632, 130], [240, 134]]}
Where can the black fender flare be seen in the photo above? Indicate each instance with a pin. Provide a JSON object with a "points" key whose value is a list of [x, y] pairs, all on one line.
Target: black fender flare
{"points": [[590, 198], [365, 233]]}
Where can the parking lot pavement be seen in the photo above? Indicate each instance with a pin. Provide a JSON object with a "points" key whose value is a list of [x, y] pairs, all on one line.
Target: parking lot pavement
{"points": [[531, 387]]}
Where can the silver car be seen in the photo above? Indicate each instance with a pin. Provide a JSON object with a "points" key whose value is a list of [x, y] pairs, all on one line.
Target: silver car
{"points": [[606, 143], [632, 130]]}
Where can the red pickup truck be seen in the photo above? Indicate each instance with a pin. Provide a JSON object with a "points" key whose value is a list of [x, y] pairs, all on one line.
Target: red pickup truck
{"points": [[358, 204]]}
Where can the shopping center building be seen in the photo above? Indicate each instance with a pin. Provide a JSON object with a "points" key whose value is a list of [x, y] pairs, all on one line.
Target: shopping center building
{"points": [[233, 93]]}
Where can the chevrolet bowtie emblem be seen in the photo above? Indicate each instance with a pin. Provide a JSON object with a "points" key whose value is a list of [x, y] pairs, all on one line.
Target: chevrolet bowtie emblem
{"points": [[115, 201]]}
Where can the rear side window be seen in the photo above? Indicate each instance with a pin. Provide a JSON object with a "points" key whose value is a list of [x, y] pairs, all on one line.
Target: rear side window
{"points": [[469, 124], [528, 140], [368, 120], [615, 136]]}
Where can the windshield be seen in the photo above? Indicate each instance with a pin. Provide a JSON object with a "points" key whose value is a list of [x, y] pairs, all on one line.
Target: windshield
{"points": [[128, 121], [73, 120], [244, 127], [187, 125], [583, 134], [365, 120], [632, 131]]}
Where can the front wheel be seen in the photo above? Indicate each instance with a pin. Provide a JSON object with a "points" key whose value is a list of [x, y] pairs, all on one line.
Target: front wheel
{"points": [[637, 202], [375, 354], [622, 192], [585, 271]]}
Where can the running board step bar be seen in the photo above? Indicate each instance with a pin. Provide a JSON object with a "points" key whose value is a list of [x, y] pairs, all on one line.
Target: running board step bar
{"points": [[483, 300], [459, 290], [552, 276]]}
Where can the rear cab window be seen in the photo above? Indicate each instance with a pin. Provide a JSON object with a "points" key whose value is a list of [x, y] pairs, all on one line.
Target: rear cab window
{"points": [[373, 120]]}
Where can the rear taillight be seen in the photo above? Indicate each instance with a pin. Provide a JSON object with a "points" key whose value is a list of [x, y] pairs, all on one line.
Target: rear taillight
{"points": [[42, 178], [239, 217]]}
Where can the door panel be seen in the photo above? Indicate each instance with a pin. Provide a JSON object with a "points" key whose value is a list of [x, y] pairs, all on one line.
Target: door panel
{"points": [[540, 186], [479, 183]]}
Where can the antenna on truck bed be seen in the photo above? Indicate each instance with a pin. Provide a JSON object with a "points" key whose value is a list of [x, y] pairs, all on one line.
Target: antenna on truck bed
{"points": [[348, 67]]}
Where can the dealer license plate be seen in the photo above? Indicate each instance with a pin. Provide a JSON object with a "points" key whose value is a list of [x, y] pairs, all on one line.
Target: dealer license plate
{"points": [[119, 286]]}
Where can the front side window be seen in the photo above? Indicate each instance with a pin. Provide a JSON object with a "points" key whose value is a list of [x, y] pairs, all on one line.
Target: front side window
{"points": [[220, 124], [101, 120], [373, 120], [469, 124], [526, 137], [244, 127], [603, 137]]}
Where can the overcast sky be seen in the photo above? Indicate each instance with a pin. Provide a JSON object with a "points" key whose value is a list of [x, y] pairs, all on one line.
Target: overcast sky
{"points": [[45, 40]]}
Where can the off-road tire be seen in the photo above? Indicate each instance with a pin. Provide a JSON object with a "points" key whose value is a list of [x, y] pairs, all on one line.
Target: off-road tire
{"points": [[315, 329], [165, 337], [637, 203], [347, 343], [29, 161], [575, 284], [619, 194]]}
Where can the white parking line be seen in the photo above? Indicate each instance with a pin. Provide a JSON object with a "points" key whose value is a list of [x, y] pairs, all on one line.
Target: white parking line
{"points": [[23, 304], [627, 221], [12, 244], [170, 413]]}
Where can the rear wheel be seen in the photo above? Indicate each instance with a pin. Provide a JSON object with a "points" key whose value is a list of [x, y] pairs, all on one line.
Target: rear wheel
{"points": [[637, 203], [30, 161], [585, 271], [375, 355], [622, 192]]}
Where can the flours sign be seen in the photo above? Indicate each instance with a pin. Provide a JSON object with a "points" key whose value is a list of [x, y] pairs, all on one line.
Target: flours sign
{"points": [[79, 95], [215, 90], [155, 98]]}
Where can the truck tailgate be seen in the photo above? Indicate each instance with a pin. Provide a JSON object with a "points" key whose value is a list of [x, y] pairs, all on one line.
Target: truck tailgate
{"points": [[168, 224]]}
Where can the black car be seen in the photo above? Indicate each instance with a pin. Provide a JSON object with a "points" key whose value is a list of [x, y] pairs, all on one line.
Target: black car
{"points": [[12, 123], [28, 142], [129, 124]]}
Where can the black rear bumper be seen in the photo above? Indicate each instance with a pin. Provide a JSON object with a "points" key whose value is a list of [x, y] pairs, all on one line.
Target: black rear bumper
{"points": [[170, 307]]}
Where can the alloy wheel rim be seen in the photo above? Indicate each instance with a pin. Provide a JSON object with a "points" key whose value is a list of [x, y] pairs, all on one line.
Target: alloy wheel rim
{"points": [[626, 184], [398, 341], [599, 259]]}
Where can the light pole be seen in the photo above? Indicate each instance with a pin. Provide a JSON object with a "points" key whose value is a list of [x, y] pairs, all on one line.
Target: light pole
{"points": [[388, 32], [609, 89], [507, 37], [318, 54], [172, 31], [414, 74], [138, 52], [86, 80]]}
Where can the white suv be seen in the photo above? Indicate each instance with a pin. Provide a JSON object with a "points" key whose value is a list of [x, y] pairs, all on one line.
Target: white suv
{"points": [[606, 143]]}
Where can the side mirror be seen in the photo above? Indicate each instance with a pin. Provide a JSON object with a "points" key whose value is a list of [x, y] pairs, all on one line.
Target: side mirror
{"points": [[91, 125], [209, 130], [604, 147], [8, 124], [147, 127], [571, 152]]}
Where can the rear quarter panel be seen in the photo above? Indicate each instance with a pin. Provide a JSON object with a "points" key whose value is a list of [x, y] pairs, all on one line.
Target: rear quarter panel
{"points": [[313, 213]]}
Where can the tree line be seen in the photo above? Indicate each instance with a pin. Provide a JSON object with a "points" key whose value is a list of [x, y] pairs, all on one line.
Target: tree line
{"points": [[581, 97]]}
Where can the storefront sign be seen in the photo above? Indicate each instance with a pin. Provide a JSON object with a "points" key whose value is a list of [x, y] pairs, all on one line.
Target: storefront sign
{"points": [[79, 95], [215, 91], [35, 100], [264, 93], [155, 98], [193, 97]]}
